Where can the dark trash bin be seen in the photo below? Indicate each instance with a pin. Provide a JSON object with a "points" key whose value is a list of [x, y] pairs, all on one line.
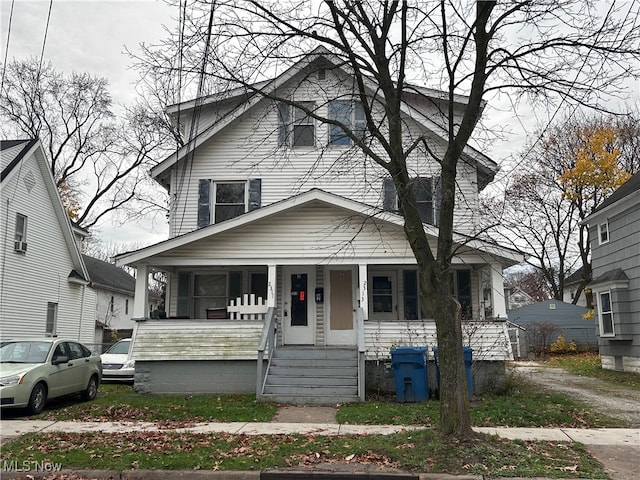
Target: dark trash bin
{"points": [[410, 372], [468, 360]]}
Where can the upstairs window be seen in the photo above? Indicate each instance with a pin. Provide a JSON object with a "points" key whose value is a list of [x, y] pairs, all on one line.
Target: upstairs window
{"points": [[295, 127], [223, 200], [603, 232], [428, 197], [351, 115]]}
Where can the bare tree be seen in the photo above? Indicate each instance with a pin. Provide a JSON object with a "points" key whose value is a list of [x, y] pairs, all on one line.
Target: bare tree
{"points": [[474, 49], [532, 281], [565, 174], [99, 162]]}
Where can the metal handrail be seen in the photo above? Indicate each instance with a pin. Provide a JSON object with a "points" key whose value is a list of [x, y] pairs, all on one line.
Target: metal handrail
{"points": [[267, 340]]}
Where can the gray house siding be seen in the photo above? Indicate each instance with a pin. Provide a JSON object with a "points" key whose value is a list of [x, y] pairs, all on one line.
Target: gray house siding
{"points": [[622, 251]]}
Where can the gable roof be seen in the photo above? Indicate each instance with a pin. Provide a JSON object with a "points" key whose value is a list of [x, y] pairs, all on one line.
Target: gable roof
{"points": [[626, 190], [486, 166], [315, 195], [108, 276], [14, 152]]}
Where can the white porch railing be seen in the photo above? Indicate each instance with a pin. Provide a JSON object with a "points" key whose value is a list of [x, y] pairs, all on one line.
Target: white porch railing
{"points": [[267, 345], [247, 307]]}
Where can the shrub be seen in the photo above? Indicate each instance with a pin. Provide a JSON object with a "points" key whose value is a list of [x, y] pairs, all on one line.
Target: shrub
{"points": [[561, 346]]}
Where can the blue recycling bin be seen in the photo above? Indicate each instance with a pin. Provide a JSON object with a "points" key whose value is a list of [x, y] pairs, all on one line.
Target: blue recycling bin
{"points": [[468, 360], [410, 372]]}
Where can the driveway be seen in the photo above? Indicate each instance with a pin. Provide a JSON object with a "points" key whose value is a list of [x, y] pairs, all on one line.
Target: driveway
{"points": [[620, 462], [614, 400]]}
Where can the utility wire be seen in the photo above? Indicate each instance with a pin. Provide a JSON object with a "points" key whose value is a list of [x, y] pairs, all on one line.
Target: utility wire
{"points": [[6, 50], [44, 42]]}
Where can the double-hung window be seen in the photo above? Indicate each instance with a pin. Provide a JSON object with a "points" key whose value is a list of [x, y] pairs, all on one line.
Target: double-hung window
{"points": [[295, 127], [603, 232], [605, 313], [21, 233], [52, 319], [349, 114], [428, 196], [230, 200], [223, 200]]}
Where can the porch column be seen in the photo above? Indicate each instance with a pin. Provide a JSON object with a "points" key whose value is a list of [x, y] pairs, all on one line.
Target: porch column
{"points": [[497, 291], [141, 298], [271, 286], [363, 289]]}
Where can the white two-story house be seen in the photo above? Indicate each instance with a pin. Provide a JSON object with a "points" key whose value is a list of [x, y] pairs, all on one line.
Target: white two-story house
{"points": [[44, 283], [267, 201]]}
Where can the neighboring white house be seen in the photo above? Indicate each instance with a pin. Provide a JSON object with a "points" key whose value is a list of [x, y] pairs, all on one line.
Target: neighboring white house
{"points": [[114, 289], [571, 285], [614, 233], [43, 279], [267, 201]]}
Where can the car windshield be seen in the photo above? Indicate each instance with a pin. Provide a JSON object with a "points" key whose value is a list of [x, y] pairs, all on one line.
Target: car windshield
{"points": [[24, 352], [120, 348]]}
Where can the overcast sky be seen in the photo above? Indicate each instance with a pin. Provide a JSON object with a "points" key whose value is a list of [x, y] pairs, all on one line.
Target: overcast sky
{"points": [[90, 36]]}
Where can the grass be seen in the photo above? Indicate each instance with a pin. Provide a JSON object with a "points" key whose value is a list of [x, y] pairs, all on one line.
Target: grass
{"points": [[118, 402], [522, 405], [419, 451], [588, 365]]}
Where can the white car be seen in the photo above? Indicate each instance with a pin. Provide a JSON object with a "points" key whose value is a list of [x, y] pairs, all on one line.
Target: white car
{"points": [[116, 364]]}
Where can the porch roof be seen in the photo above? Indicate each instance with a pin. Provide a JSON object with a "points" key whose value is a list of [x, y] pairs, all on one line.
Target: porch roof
{"points": [[304, 229]]}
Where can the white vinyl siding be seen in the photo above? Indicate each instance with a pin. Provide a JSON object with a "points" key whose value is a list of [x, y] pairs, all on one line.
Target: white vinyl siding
{"points": [[44, 270], [249, 148]]}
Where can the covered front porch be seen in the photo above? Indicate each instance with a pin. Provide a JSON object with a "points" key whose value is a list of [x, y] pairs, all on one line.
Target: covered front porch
{"points": [[327, 278]]}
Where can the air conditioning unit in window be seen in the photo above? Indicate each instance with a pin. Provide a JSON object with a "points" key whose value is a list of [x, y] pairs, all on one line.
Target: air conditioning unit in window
{"points": [[20, 247]]}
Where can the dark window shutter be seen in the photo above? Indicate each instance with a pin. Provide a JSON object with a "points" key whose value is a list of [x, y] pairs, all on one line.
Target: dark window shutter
{"points": [[437, 199], [255, 194], [389, 192], [284, 124], [204, 202]]}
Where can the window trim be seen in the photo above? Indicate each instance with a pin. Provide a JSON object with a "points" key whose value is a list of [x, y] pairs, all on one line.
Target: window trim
{"points": [[602, 312], [20, 234], [604, 230], [214, 203]]}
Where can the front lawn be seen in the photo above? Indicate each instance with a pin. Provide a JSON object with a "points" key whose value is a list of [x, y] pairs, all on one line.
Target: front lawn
{"points": [[417, 451]]}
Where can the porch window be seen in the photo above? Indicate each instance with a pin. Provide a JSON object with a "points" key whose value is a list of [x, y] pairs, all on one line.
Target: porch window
{"points": [[351, 115], [428, 197], [605, 314], [210, 291], [295, 127], [383, 300]]}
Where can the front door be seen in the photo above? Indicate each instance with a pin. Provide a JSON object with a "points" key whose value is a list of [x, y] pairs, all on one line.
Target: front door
{"points": [[299, 312], [340, 308]]}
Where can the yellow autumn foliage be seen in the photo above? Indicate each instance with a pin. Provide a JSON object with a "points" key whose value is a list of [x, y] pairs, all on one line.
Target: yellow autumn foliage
{"points": [[596, 164]]}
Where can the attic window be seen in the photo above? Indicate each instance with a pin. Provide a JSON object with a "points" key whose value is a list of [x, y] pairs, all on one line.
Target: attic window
{"points": [[322, 74]]}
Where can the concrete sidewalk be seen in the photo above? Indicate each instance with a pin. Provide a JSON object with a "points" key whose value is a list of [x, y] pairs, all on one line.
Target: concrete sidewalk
{"points": [[598, 436]]}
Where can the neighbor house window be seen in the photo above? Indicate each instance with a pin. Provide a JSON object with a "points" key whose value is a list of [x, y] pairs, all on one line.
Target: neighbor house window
{"points": [[295, 127], [21, 233], [603, 232], [605, 313], [111, 304], [126, 306], [351, 115], [52, 318], [428, 196], [226, 199]]}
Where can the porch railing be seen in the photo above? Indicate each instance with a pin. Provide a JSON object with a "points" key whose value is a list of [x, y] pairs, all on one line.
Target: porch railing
{"points": [[267, 344], [247, 307], [362, 349]]}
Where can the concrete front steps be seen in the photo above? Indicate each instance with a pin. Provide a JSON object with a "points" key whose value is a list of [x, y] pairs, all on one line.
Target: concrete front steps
{"points": [[309, 375]]}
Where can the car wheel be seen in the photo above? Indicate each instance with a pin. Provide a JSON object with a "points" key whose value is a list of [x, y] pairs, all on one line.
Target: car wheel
{"points": [[38, 399], [92, 389]]}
